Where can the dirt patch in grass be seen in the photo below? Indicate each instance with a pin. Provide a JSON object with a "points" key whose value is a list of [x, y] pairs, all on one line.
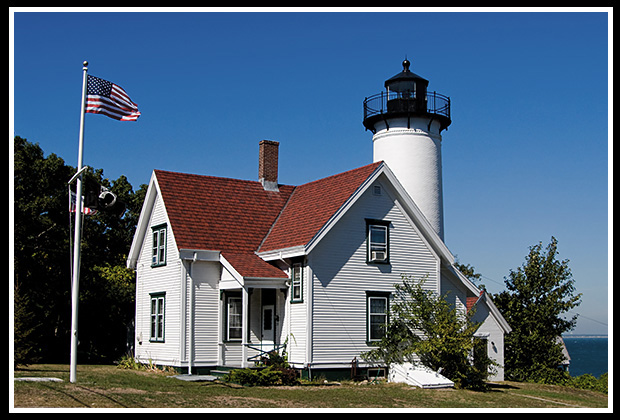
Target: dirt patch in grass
{"points": [[249, 402]]}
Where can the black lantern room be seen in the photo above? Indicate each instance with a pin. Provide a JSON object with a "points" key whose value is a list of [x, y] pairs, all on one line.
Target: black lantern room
{"points": [[406, 95]]}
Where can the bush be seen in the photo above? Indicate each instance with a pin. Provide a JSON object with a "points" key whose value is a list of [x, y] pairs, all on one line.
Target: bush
{"points": [[551, 376], [269, 376], [274, 358], [289, 376], [543, 374], [590, 382], [426, 327], [130, 363]]}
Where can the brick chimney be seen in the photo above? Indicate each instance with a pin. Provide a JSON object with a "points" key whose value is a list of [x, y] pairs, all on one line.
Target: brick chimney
{"points": [[268, 164]]}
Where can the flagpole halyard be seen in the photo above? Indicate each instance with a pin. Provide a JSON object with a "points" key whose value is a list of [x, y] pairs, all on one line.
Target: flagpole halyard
{"points": [[77, 236]]}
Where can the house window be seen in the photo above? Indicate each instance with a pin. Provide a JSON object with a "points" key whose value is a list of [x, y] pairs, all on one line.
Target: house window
{"points": [[376, 314], [159, 246], [296, 283], [378, 241], [234, 318], [158, 309]]}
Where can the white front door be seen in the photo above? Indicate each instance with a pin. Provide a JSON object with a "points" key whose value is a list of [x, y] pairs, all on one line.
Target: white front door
{"points": [[268, 326]]}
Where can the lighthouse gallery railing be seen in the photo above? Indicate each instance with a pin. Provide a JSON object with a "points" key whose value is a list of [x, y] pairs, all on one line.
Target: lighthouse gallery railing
{"points": [[436, 103]]}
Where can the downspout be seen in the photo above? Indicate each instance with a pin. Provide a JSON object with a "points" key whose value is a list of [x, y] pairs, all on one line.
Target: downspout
{"points": [[309, 315], [287, 302], [190, 355]]}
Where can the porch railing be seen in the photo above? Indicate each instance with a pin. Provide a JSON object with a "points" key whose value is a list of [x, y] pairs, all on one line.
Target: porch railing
{"points": [[263, 352]]}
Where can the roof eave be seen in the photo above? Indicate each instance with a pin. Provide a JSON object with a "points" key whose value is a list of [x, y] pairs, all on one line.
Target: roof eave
{"points": [[281, 254], [145, 214], [199, 255]]}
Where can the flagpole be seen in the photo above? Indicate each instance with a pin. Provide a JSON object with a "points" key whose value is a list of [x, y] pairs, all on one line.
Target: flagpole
{"points": [[77, 238]]}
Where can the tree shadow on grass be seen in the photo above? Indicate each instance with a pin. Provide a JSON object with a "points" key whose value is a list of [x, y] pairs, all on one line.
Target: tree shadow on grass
{"points": [[495, 387]]}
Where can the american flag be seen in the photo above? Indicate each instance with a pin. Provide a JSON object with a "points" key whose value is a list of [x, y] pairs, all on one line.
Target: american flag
{"points": [[106, 98]]}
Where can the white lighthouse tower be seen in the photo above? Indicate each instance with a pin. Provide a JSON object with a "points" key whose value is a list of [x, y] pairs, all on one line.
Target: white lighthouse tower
{"points": [[407, 121]]}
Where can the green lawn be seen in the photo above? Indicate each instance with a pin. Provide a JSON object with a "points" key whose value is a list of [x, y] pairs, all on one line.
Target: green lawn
{"points": [[110, 387]]}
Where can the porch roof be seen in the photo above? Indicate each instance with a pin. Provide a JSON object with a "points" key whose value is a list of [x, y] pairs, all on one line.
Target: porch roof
{"points": [[250, 265]]}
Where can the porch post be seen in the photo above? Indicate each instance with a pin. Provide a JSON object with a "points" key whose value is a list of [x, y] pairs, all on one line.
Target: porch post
{"points": [[244, 326]]}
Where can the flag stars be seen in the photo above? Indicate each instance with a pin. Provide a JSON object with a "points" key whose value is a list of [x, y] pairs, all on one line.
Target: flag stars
{"points": [[97, 86]]}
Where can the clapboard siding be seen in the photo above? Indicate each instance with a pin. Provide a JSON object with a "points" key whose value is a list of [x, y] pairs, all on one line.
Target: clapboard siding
{"points": [[342, 276], [165, 279], [206, 276], [454, 291], [296, 324]]}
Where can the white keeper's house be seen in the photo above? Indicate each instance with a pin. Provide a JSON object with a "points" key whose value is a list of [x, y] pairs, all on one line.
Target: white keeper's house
{"points": [[228, 269]]}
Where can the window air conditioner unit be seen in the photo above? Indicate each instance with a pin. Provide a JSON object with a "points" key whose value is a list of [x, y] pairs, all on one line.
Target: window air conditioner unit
{"points": [[378, 255]]}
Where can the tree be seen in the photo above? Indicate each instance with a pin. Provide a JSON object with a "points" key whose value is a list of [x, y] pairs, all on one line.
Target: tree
{"points": [[23, 327], [41, 246], [42, 269], [425, 328], [537, 294]]}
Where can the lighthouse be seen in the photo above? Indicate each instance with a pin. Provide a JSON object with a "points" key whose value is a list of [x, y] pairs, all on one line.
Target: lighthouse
{"points": [[406, 120]]}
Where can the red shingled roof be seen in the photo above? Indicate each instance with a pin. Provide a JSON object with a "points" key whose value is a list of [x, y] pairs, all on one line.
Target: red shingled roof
{"points": [[222, 214], [248, 264], [312, 205], [238, 217], [470, 302]]}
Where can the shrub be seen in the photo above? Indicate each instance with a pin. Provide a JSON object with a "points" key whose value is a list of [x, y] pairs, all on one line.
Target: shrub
{"points": [[269, 376], [590, 382], [129, 362], [289, 376], [426, 327], [543, 374], [551, 376], [274, 358]]}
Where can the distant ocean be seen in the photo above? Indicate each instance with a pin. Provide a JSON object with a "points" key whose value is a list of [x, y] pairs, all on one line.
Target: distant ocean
{"points": [[588, 354]]}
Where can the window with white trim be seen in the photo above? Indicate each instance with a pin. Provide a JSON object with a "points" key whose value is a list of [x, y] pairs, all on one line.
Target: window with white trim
{"points": [[158, 250], [378, 243], [297, 283], [234, 318], [158, 309]]}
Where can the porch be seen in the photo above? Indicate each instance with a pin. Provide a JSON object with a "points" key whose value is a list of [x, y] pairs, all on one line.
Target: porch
{"points": [[251, 320]]}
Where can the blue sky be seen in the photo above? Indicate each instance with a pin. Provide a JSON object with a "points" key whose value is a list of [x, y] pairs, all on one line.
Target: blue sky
{"points": [[526, 156]]}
